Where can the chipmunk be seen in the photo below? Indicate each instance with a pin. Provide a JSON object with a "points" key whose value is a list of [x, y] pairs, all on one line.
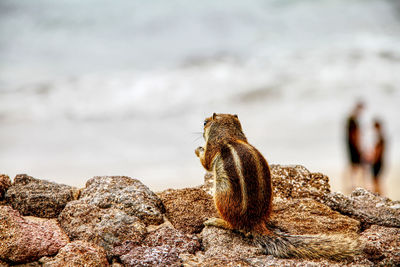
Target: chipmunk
{"points": [[243, 195]]}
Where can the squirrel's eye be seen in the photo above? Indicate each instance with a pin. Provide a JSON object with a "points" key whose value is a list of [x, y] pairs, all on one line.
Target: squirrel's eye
{"points": [[205, 122]]}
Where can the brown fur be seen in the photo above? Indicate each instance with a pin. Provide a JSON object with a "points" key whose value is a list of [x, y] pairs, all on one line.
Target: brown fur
{"points": [[243, 194]]}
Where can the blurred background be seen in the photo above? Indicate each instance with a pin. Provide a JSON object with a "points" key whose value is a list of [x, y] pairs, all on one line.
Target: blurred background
{"points": [[102, 87]]}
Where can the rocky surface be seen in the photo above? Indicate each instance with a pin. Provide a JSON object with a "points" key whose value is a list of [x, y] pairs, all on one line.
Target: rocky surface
{"points": [[262, 261], [40, 198], [366, 207], [307, 216], [118, 221], [382, 245], [5, 183], [77, 253], [161, 247], [221, 243], [126, 194], [297, 182], [107, 228], [188, 208], [25, 239]]}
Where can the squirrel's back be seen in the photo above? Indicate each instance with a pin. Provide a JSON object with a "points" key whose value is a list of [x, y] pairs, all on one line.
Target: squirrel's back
{"points": [[243, 190]]}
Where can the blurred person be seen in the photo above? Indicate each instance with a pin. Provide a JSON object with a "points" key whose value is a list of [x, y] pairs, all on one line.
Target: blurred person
{"points": [[353, 139], [376, 157]]}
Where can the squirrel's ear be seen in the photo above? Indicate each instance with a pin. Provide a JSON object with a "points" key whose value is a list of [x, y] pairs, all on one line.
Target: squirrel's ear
{"points": [[214, 115], [236, 116]]}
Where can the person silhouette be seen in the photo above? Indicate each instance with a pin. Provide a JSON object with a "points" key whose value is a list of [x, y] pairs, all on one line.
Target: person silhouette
{"points": [[376, 158], [353, 138]]}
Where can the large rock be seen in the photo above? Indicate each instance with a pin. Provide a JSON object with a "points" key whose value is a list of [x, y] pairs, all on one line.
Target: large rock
{"points": [[5, 183], [161, 247], [262, 261], [105, 227], [223, 243], [25, 239], [307, 216], [366, 207], [200, 259], [229, 248], [152, 256], [297, 182], [188, 208], [126, 194], [40, 198], [265, 260], [77, 253], [382, 245]]}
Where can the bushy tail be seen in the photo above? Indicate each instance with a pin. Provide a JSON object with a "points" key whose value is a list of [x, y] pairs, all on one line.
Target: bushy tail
{"points": [[334, 247]]}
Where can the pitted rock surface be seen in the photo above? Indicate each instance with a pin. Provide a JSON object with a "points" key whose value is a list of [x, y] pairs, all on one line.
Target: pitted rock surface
{"points": [[126, 194], [160, 248], [223, 243], [382, 245], [40, 198], [298, 182], [188, 208], [5, 183], [366, 207], [307, 216], [78, 253], [26, 239], [107, 228]]}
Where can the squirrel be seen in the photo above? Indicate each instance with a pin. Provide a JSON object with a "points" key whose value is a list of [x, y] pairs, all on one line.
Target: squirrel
{"points": [[243, 195]]}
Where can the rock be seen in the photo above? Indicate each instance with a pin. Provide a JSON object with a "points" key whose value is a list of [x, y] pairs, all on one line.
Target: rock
{"points": [[366, 207], [227, 248], [382, 245], [160, 248], [262, 261], [269, 260], [221, 243], [309, 217], [126, 194], [78, 253], [184, 243], [298, 182], [34, 197], [105, 227], [151, 256], [200, 260], [5, 183], [25, 239], [30, 264], [188, 208]]}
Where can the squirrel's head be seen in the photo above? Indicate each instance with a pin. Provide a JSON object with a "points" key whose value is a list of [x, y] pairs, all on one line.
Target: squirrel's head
{"points": [[223, 127]]}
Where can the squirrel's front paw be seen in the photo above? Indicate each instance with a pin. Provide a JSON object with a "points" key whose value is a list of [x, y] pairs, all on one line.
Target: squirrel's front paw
{"points": [[210, 222], [199, 151], [217, 222]]}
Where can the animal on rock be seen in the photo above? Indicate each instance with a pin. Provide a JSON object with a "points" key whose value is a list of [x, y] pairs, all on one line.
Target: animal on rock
{"points": [[243, 195]]}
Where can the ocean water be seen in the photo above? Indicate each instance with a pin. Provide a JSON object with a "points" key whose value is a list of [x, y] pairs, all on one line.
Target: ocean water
{"points": [[122, 88]]}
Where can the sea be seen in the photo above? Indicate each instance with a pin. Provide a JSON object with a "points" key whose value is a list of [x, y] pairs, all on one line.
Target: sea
{"points": [[101, 87]]}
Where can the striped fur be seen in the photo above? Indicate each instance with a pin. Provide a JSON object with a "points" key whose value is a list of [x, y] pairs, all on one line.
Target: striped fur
{"points": [[243, 194], [242, 182]]}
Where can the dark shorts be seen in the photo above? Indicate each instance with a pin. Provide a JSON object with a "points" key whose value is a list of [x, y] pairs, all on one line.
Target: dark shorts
{"points": [[355, 155], [376, 169]]}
